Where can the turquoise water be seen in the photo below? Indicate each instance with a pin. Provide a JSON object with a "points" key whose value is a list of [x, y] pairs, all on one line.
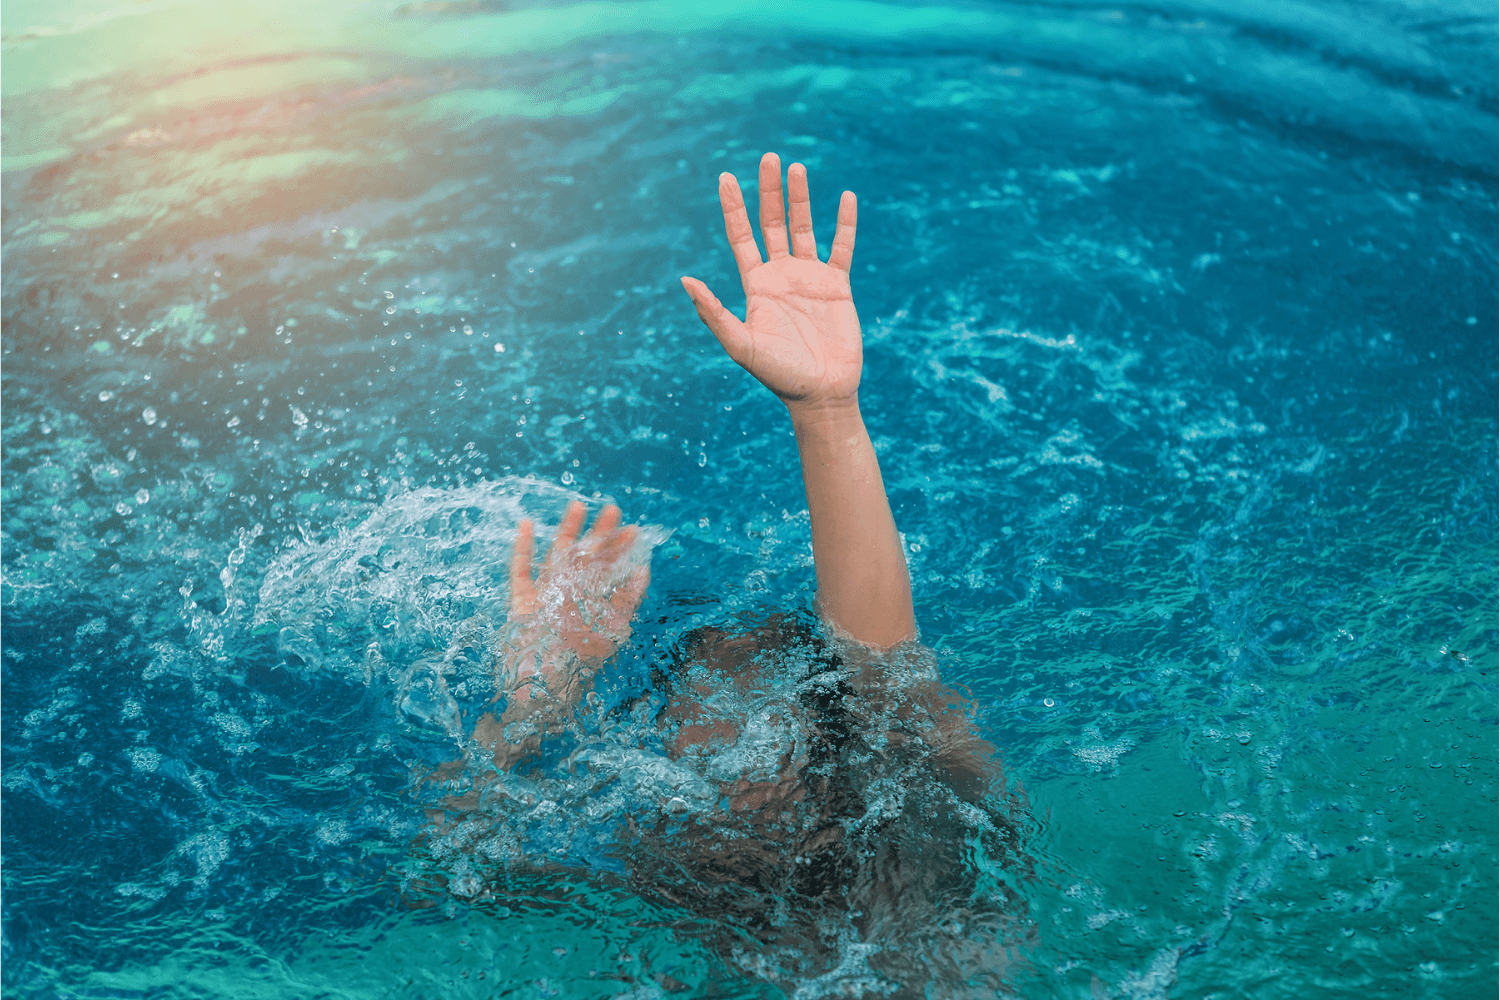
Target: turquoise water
{"points": [[1180, 327]]}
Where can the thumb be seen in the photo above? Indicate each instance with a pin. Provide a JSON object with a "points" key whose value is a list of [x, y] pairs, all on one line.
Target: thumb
{"points": [[731, 333]]}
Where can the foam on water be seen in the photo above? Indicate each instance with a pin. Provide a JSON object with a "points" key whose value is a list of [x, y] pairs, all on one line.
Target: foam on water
{"points": [[426, 569]]}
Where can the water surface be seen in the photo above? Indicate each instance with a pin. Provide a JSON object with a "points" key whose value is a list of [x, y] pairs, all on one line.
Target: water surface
{"points": [[1180, 334]]}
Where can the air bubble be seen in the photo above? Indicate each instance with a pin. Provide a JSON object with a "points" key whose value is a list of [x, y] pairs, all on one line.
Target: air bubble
{"points": [[1048, 702], [142, 496], [468, 331], [499, 348], [106, 396], [148, 415]]}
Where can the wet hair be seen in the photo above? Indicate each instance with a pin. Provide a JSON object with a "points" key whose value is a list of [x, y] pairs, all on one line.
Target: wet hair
{"points": [[779, 633], [866, 835]]}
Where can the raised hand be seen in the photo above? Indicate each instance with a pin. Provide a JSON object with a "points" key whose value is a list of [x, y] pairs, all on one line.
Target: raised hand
{"points": [[801, 339], [574, 614], [800, 336], [582, 594]]}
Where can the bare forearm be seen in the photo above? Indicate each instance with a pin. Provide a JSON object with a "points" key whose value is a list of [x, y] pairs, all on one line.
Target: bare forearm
{"points": [[863, 587]]}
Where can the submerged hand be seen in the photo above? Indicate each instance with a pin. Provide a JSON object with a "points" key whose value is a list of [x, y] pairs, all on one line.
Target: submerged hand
{"points": [[575, 613], [800, 336], [580, 577]]}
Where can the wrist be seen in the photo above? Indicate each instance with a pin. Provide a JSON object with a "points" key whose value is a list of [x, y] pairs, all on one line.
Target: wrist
{"points": [[834, 414]]}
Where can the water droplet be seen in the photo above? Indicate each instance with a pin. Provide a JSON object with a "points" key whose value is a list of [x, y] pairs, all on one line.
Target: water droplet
{"points": [[390, 295], [389, 310], [106, 396], [148, 415]]}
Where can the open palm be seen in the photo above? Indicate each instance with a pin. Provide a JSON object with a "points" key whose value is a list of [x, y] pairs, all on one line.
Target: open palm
{"points": [[586, 591], [800, 336]]}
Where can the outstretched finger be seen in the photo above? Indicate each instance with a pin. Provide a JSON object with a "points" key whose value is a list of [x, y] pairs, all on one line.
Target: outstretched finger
{"points": [[799, 205], [772, 214], [842, 254], [522, 590], [724, 325], [737, 225], [567, 530], [605, 523], [618, 544]]}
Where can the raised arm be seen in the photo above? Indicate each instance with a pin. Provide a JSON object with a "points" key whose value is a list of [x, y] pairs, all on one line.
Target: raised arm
{"points": [[800, 338]]}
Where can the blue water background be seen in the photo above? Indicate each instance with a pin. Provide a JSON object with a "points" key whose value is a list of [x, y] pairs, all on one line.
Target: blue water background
{"points": [[1180, 329]]}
